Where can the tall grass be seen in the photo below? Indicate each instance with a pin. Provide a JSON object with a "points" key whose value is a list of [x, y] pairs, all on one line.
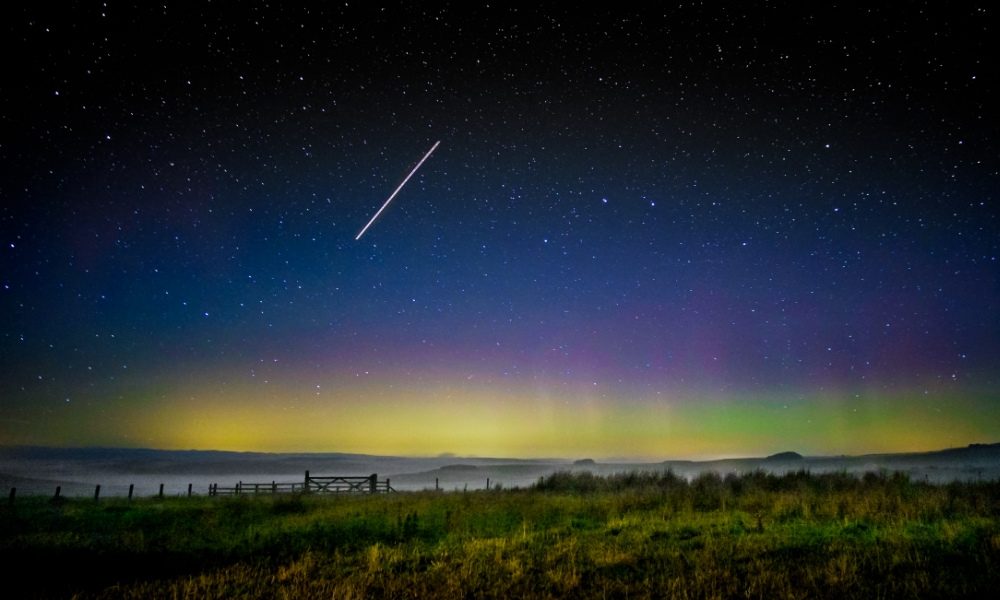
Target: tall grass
{"points": [[572, 535]]}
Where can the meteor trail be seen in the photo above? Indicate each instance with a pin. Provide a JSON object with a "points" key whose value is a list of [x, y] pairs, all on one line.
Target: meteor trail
{"points": [[393, 194]]}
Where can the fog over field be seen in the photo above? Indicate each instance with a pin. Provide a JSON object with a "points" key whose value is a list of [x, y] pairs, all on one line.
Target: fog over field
{"points": [[37, 470]]}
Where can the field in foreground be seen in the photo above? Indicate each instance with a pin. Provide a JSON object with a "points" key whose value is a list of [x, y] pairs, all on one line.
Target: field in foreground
{"points": [[574, 535]]}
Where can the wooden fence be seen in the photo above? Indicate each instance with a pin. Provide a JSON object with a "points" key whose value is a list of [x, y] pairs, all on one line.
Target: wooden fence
{"points": [[331, 484], [247, 487]]}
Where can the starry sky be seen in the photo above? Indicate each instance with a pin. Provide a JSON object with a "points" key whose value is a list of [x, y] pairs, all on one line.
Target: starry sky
{"points": [[697, 231]]}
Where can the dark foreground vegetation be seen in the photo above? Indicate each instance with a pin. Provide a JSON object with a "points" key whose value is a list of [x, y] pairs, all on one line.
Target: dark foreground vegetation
{"points": [[573, 535]]}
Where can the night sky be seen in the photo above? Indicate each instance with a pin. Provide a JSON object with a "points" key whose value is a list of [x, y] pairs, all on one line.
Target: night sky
{"points": [[694, 232]]}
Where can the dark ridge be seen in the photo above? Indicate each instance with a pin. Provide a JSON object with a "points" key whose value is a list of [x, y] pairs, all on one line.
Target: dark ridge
{"points": [[584, 462], [984, 446], [459, 468], [785, 456]]}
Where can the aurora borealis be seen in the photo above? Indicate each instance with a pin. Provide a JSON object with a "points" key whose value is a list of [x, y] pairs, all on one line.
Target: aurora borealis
{"points": [[694, 232]]}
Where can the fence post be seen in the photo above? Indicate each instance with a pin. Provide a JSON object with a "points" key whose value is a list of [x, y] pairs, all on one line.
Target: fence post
{"points": [[437, 488], [487, 483], [388, 488], [58, 489], [373, 482], [161, 490], [131, 488], [190, 485], [13, 492], [274, 487], [97, 493], [307, 480], [239, 484]]}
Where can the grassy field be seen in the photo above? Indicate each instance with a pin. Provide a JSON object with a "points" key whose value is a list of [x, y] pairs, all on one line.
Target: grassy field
{"points": [[577, 536]]}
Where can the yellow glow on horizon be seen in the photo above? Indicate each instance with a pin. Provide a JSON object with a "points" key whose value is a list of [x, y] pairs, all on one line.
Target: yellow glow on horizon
{"points": [[526, 420], [379, 420]]}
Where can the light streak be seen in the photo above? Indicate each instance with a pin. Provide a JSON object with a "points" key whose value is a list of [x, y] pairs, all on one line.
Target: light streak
{"points": [[399, 187]]}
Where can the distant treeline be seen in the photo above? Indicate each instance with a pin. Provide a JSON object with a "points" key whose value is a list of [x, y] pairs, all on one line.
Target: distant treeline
{"points": [[838, 492], [584, 481]]}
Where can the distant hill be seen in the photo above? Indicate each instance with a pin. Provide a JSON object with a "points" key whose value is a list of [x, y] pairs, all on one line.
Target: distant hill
{"points": [[973, 453], [785, 456]]}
